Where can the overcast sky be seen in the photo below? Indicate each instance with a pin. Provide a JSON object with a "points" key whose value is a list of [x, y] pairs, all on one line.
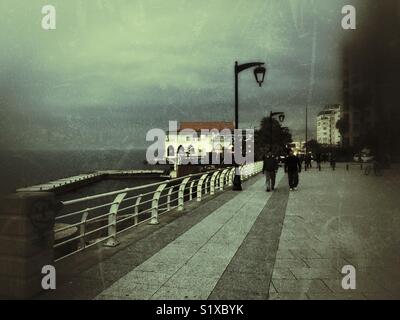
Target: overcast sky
{"points": [[112, 70]]}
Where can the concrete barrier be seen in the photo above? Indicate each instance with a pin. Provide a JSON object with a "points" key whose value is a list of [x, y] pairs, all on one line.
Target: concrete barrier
{"points": [[26, 242]]}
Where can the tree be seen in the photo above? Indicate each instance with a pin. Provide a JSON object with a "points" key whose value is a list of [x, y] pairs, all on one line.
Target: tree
{"points": [[313, 146], [280, 138]]}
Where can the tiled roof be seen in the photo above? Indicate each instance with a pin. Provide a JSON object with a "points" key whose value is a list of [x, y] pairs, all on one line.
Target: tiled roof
{"points": [[197, 126]]}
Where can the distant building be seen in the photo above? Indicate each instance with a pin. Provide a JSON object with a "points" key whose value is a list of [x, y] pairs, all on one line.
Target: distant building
{"points": [[327, 133], [198, 139]]}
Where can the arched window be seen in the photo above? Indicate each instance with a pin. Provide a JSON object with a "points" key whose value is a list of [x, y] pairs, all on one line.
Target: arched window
{"points": [[181, 150], [170, 151]]}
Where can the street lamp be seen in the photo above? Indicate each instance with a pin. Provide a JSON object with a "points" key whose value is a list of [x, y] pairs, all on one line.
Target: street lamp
{"points": [[259, 74], [281, 117]]}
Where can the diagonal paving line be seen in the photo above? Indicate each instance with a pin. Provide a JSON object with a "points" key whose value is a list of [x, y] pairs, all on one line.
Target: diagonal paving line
{"points": [[190, 266], [248, 275]]}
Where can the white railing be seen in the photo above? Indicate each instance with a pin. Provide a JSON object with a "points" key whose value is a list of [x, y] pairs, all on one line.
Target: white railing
{"points": [[100, 218]]}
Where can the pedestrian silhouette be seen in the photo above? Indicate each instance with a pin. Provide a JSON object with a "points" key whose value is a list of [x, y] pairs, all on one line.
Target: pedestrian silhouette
{"points": [[293, 168], [270, 167]]}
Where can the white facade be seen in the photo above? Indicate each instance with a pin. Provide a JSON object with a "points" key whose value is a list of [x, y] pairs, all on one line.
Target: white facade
{"points": [[195, 143], [327, 133]]}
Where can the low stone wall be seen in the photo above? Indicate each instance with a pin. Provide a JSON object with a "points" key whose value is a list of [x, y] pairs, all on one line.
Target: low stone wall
{"points": [[27, 238]]}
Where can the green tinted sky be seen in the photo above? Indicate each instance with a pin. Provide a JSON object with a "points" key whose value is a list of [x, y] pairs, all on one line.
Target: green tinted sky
{"points": [[114, 69]]}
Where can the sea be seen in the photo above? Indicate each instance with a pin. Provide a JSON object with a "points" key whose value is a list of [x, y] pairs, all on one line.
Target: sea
{"points": [[24, 168]]}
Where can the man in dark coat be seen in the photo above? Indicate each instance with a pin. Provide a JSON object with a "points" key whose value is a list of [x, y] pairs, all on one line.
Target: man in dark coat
{"points": [[293, 168], [270, 167]]}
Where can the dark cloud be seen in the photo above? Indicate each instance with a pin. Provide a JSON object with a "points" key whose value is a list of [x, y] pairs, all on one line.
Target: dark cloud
{"points": [[113, 70]]}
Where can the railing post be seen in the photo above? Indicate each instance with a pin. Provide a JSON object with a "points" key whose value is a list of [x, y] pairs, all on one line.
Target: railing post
{"points": [[112, 221], [222, 179], [154, 204], [230, 176], [207, 185], [181, 193], [82, 230], [191, 190], [213, 182], [136, 212], [169, 198], [200, 186]]}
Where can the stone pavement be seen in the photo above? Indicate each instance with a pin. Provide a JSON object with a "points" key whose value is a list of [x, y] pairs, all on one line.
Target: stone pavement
{"points": [[335, 219], [259, 245]]}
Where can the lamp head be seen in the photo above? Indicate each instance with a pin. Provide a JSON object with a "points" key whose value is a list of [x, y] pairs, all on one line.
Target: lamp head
{"points": [[259, 74]]}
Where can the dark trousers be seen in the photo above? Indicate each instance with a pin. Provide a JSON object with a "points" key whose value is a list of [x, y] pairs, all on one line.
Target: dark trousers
{"points": [[293, 179], [270, 179]]}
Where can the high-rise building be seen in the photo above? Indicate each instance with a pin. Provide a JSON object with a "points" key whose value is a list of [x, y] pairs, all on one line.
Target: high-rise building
{"points": [[327, 131], [371, 79]]}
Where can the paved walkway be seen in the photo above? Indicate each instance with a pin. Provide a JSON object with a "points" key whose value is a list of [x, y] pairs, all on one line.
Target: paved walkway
{"points": [[191, 266], [259, 245]]}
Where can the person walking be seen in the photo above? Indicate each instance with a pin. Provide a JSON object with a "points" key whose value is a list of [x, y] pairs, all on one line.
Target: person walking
{"points": [[293, 168], [270, 167], [333, 161], [309, 161], [318, 159]]}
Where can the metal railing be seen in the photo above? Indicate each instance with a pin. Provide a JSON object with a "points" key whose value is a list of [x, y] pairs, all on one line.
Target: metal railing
{"points": [[88, 221]]}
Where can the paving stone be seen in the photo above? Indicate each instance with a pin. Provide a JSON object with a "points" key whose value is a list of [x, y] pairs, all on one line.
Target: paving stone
{"points": [[285, 254], [288, 296], [252, 282], [300, 286], [147, 277], [382, 295], [336, 296], [305, 253], [171, 293], [250, 266], [224, 294], [282, 273], [316, 273], [290, 263], [362, 286], [337, 264]]}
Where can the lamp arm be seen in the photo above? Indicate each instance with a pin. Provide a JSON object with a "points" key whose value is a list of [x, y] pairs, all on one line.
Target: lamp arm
{"points": [[241, 67]]}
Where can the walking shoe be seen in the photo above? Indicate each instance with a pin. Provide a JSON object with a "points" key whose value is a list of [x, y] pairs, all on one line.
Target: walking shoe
{"points": [[295, 189], [268, 190]]}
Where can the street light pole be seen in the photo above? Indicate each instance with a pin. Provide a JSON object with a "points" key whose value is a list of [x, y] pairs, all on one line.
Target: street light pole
{"points": [[305, 162], [259, 73]]}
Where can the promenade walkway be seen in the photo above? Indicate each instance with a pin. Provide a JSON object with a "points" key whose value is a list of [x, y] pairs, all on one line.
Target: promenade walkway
{"points": [[258, 245]]}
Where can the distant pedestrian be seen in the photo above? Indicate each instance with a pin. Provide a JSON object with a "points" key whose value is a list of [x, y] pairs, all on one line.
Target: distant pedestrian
{"points": [[293, 168], [270, 167], [308, 161], [318, 159], [333, 162]]}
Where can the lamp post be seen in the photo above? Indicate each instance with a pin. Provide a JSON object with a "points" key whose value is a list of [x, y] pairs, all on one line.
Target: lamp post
{"points": [[281, 117], [306, 149], [259, 74]]}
